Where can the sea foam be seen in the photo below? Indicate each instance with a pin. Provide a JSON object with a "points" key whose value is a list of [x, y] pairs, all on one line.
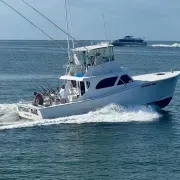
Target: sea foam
{"points": [[109, 114], [166, 45]]}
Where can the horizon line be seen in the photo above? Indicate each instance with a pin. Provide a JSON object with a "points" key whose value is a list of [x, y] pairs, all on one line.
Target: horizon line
{"points": [[78, 40]]}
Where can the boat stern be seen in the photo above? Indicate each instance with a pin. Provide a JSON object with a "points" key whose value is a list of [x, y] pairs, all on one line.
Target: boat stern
{"points": [[29, 112]]}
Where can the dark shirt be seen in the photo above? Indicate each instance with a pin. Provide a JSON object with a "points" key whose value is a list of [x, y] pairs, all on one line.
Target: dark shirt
{"points": [[39, 99]]}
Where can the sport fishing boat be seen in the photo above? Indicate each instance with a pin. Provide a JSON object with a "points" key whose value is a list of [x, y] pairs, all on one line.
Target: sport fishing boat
{"points": [[129, 41], [94, 79]]}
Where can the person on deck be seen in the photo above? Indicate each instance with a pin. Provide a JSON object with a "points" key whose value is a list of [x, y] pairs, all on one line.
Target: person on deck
{"points": [[62, 94], [38, 99]]}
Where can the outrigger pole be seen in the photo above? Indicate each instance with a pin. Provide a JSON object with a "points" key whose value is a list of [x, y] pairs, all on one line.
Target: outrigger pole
{"points": [[53, 40], [41, 84], [50, 21], [45, 92], [62, 30]]}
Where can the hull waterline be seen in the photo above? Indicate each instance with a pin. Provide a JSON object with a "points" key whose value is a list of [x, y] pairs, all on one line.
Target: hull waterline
{"points": [[161, 103]]}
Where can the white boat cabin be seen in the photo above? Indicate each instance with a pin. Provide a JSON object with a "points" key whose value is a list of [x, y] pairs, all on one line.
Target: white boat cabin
{"points": [[92, 72]]}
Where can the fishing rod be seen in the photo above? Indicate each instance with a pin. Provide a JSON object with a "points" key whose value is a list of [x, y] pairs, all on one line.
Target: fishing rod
{"points": [[41, 92], [40, 84], [50, 87], [44, 90], [44, 85], [51, 92], [53, 40], [47, 87], [47, 93]]}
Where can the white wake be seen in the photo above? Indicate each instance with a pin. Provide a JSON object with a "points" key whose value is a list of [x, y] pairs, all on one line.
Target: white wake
{"points": [[110, 114], [8, 114], [166, 45]]}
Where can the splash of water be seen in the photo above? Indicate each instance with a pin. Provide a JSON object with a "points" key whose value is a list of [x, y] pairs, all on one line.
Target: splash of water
{"points": [[7, 109], [8, 113], [111, 113], [166, 45]]}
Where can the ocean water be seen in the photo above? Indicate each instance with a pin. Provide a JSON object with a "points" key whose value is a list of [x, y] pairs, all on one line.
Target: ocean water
{"points": [[111, 143]]}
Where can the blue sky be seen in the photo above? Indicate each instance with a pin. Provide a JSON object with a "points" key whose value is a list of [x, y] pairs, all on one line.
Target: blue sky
{"points": [[152, 19]]}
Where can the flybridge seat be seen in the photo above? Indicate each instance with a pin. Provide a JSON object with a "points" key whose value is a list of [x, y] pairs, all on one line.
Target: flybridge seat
{"points": [[79, 74]]}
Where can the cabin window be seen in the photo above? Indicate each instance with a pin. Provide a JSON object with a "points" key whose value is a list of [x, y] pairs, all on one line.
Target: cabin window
{"points": [[105, 83], [120, 82], [125, 79], [87, 84], [82, 87]]}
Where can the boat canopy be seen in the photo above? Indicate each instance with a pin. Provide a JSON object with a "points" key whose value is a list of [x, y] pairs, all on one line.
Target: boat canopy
{"points": [[93, 55], [73, 78], [93, 47]]}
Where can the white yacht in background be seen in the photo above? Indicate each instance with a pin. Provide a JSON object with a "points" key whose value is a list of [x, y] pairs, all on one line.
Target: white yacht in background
{"points": [[94, 79]]}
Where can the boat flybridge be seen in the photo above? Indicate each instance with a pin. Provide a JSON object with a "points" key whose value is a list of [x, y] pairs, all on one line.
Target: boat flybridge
{"points": [[94, 79]]}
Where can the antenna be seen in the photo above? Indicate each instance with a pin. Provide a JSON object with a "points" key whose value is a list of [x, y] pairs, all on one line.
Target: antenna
{"points": [[105, 31], [70, 21], [67, 27]]}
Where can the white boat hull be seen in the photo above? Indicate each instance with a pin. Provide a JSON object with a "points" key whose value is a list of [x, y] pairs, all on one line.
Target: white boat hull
{"points": [[151, 92]]}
